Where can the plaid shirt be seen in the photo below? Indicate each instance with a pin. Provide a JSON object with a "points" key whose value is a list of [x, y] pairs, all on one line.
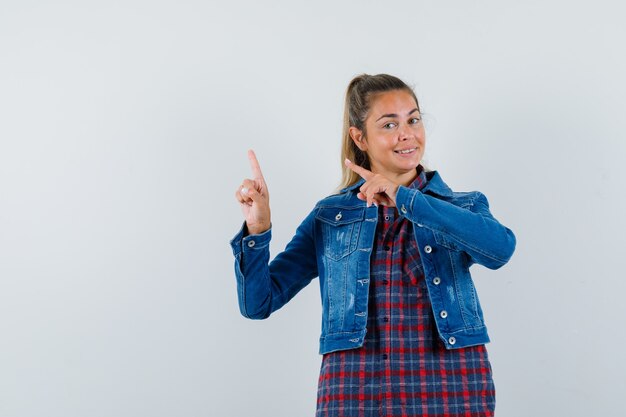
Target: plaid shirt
{"points": [[403, 369]]}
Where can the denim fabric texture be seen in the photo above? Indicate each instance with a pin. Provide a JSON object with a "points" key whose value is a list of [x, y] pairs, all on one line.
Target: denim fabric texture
{"points": [[334, 242]]}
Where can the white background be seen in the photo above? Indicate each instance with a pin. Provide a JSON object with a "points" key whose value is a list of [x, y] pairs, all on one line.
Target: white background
{"points": [[124, 127]]}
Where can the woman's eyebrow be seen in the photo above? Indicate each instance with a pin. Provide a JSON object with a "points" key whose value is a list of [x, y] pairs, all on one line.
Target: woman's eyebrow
{"points": [[395, 115], [413, 111]]}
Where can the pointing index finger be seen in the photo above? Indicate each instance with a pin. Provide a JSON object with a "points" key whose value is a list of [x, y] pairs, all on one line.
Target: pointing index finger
{"points": [[254, 164], [363, 173]]}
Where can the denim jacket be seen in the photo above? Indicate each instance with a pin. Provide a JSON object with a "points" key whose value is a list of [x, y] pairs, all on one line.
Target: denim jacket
{"points": [[334, 242]]}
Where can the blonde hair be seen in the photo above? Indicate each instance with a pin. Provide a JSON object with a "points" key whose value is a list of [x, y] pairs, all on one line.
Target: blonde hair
{"points": [[359, 96]]}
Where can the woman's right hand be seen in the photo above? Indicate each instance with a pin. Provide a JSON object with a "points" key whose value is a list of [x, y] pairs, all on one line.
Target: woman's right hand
{"points": [[254, 199]]}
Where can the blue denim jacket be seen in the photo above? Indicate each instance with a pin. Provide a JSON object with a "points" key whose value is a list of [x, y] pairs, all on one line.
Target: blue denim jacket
{"points": [[334, 242]]}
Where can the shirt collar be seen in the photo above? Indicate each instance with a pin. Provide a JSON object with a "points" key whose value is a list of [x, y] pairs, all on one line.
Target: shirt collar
{"points": [[420, 181]]}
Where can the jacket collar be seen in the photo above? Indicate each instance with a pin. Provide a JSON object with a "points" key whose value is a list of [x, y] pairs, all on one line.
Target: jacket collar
{"points": [[435, 185]]}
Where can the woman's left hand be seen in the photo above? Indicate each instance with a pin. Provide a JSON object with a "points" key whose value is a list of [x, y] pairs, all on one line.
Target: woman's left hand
{"points": [[377, 189]]}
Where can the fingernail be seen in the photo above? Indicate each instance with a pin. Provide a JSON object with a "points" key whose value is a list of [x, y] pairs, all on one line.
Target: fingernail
{"points": [[244, 190]]}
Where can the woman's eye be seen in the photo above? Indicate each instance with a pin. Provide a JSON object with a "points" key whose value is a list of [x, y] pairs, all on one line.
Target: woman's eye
{"points": [[414, 120], [389, 125]]}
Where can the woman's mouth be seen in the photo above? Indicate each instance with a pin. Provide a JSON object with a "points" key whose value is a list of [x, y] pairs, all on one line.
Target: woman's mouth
{"points": [[406, 151]]}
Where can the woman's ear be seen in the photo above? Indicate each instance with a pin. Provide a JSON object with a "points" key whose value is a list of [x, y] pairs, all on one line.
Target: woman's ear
{"points": [[358, 138]]}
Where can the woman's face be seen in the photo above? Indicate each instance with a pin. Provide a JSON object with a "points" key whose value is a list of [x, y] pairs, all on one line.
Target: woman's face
{"points": [[395, 136]]}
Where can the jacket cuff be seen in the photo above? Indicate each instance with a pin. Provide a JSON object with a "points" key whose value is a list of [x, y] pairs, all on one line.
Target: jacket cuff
{"points": [[404, 201], [244, 242]]}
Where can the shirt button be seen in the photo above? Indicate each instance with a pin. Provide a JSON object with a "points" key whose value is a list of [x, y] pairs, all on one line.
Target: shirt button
{"points": [[436, 280], [403, 209], [387, 218], [385, 356], [385, 282], [338, 216], [443, 314], [387, 248], [452, 340], [386, 319], [428, 249], [251, 243]]}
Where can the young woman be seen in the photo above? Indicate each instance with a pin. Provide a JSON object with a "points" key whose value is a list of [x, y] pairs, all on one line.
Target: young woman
{"points": [[402, 328]]}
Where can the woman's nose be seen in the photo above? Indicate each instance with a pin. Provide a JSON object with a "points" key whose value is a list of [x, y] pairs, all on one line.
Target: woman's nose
{"points": [[404, 132]]}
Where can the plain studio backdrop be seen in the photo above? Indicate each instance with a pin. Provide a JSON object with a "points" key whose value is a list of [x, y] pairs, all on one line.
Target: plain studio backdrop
{"points": [[124, 127]]}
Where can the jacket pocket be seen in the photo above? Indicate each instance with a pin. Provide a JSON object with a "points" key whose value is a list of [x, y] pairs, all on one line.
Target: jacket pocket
{"points": [[340, 228], [466, 291]]}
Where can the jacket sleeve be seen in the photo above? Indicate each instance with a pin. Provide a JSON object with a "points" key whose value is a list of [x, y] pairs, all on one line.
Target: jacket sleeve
{"points": [[264, 287], [473, 229]]}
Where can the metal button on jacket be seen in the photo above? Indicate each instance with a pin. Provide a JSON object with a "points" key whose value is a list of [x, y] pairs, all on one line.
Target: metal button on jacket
{"points": [[452, 340], [443, 314], [436, 280], [251, 243], [428, 249], [338, 216], [403, 209]]}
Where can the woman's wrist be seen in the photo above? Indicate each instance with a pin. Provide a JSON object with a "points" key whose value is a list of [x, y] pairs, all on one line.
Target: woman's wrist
{"points": [[257, 229]]}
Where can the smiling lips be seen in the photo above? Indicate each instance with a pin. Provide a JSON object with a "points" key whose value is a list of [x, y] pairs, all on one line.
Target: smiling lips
{"points": [[405, 151]]}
